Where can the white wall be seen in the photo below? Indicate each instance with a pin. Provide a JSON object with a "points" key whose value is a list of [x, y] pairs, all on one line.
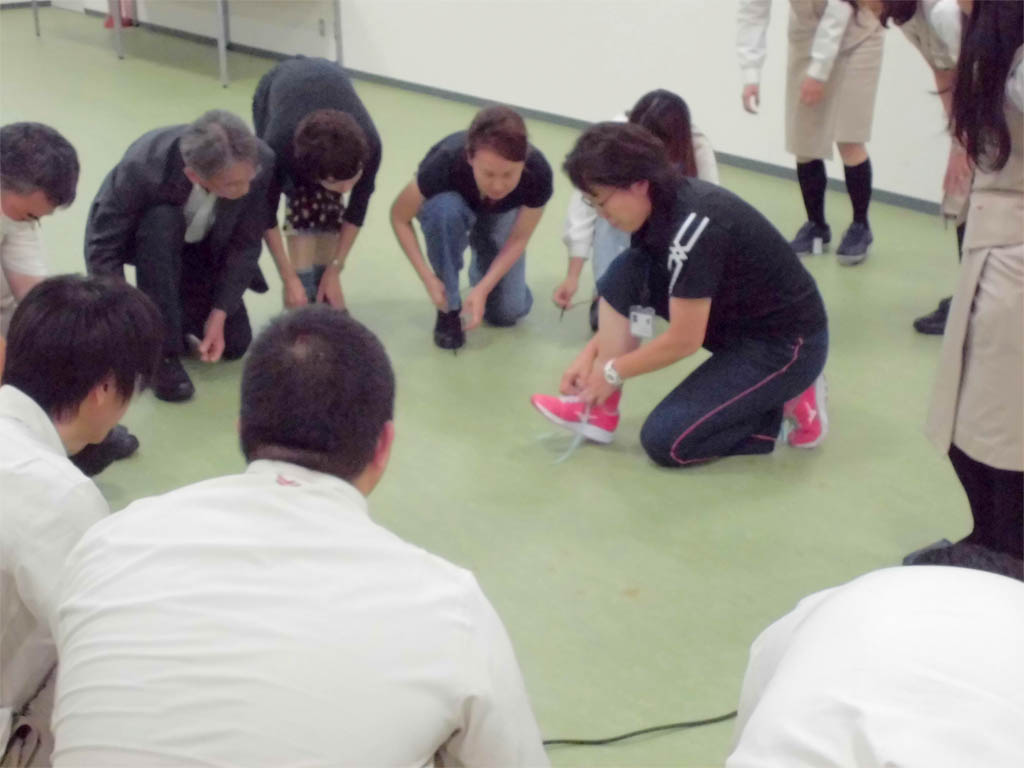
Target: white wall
{"points": [[589, 59]]}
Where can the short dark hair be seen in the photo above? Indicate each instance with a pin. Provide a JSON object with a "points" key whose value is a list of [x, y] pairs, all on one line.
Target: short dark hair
{"points": [[215, 140], [329, 144], [618, 155], [317, 390], [900, 11], [71, 332], [501, 130], [34, 157], [666, 115]]}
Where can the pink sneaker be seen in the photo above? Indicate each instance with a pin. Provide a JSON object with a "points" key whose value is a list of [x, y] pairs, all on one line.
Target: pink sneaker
{"points": [[567, 411], [808, 411]]}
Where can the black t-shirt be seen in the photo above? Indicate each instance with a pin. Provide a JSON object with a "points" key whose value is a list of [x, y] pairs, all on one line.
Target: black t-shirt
{"points": [[711, 244], [446, 169], [283, 97]]}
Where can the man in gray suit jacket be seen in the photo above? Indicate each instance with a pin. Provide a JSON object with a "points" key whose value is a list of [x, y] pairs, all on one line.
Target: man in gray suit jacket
{"points": [[187, 206]]}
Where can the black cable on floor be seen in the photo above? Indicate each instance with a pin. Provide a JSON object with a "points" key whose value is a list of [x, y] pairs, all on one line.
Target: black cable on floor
{"points": [[631, 734]]}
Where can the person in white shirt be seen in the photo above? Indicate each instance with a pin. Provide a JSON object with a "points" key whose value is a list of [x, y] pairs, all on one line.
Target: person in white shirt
{"points": [[264, 619], [919, 667], [835, 58], [78, 349], [586, 235], [38, 174]]}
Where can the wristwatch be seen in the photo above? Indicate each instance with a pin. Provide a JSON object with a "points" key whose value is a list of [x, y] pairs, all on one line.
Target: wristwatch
{"points": [[611, 375]]}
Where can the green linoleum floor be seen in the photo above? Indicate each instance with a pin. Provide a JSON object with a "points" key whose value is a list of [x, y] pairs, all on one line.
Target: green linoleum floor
{"points": [[631, 592]]}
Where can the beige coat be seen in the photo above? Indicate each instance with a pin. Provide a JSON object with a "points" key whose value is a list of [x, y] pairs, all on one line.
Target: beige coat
{"points": [[846, 112], [978, 400]]}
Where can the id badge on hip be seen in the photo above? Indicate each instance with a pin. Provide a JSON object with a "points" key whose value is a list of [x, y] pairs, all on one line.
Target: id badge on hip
{"points": [[641, 322]]}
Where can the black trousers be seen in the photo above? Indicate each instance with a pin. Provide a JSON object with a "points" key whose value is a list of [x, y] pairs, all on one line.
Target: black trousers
{"points": [[996, 497], [182, 279]]}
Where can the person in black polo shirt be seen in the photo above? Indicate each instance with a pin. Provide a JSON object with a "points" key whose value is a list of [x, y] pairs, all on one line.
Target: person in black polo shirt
{"points": [[326, 146], [485, 188], [725, 279]]}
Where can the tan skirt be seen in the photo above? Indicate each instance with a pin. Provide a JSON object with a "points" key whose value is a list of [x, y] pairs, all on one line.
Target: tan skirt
{"points": [[847, 109], [978, 402]]}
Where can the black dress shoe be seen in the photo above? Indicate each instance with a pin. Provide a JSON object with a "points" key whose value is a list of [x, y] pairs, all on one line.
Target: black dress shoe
{"points": [[171, 382], [934, 323], [853, 248], [803, 243], [118, 444], [448, 333]]}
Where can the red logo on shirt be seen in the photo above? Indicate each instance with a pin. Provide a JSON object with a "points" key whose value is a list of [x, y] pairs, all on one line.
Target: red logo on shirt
{"points": [[282, 480]]}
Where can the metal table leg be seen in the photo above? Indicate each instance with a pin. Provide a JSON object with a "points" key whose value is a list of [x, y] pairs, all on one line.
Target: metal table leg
{"points": [[35, 16], [222, 41], [115, 12], [337, 33]]}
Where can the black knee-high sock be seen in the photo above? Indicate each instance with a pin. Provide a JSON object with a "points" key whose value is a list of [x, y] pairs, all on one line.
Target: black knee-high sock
{"points": [[858, 185], [996, 497], [812, 180]]}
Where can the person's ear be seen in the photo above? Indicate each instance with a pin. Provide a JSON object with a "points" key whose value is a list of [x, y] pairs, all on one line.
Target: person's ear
{"points": [[194, 177], [382, 452]]}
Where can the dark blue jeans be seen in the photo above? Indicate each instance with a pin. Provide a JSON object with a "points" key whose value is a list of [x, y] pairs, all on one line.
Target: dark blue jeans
{"points": [[732, 403], [450, 226]]}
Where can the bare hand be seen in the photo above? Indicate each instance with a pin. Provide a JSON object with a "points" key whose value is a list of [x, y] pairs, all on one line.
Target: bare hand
{"points": [[752, 98], [294, 293], [957, 181], [436, 292], [575, 377], [564, 292], [329, 289], [473, 308], [597, 389], [212, 345], [812, 91]]}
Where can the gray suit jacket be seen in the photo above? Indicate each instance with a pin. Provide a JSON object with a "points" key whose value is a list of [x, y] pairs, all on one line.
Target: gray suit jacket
{"points": [[151, 173]]}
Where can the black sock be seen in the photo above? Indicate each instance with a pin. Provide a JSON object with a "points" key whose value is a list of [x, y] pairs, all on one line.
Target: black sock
{"points": [[811, 176], [858, 185], [996, 497], [960, 230]]}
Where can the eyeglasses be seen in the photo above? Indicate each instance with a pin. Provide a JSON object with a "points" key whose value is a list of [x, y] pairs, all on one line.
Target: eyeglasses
{"points": [[593, 202]]}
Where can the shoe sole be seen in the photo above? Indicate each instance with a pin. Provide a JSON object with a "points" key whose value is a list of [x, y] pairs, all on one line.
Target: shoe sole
{"points": [[824, 249], [853, 259], [821, 398], [589, 431]]}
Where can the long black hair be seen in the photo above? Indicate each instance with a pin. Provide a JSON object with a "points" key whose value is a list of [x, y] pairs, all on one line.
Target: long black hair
{"points": [[994, 32], [666, 115]]}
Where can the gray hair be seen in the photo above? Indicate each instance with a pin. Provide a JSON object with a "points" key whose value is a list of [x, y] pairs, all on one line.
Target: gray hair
{"points": [[216, 140]]}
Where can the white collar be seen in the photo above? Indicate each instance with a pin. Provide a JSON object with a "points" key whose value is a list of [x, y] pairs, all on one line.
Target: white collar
{"points": [[17, 406], [289, 474]]}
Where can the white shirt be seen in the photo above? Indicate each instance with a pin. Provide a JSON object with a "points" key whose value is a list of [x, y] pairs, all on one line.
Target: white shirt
{"points": [[578, 230], [21, 252], [915, 667], [263, 619], [45, 506], [752, 29], [929, 28], [199, 214]]}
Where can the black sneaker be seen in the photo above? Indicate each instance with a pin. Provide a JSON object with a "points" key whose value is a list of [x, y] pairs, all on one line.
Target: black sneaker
{"points": [[593, 315], [854, 247], [934, 323], [171, 382], [118, 444], [448, 333], [803, 243]]}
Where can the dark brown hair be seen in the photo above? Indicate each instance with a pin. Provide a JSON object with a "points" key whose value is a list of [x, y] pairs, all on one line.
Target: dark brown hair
{"points": [[620, 154], [329, 144], [666, 115], [991, 37], [501, 130], [34, 157], [900, 11]]}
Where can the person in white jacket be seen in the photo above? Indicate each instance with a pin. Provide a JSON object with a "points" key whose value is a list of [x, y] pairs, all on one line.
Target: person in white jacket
{"points": [[587, 235], [835, 57]]}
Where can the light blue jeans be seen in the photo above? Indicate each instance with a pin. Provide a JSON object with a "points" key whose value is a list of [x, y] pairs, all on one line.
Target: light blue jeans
{"points": [[450, 226], [609, 242]]}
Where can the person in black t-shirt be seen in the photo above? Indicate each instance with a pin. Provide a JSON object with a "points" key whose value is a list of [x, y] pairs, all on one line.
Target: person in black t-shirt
{"points": [[485, 188], [326, 146], [725, 279]]}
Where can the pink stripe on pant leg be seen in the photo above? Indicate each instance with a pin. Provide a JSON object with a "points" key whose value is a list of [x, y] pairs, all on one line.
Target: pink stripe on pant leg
{"points": [[744, 393]]}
